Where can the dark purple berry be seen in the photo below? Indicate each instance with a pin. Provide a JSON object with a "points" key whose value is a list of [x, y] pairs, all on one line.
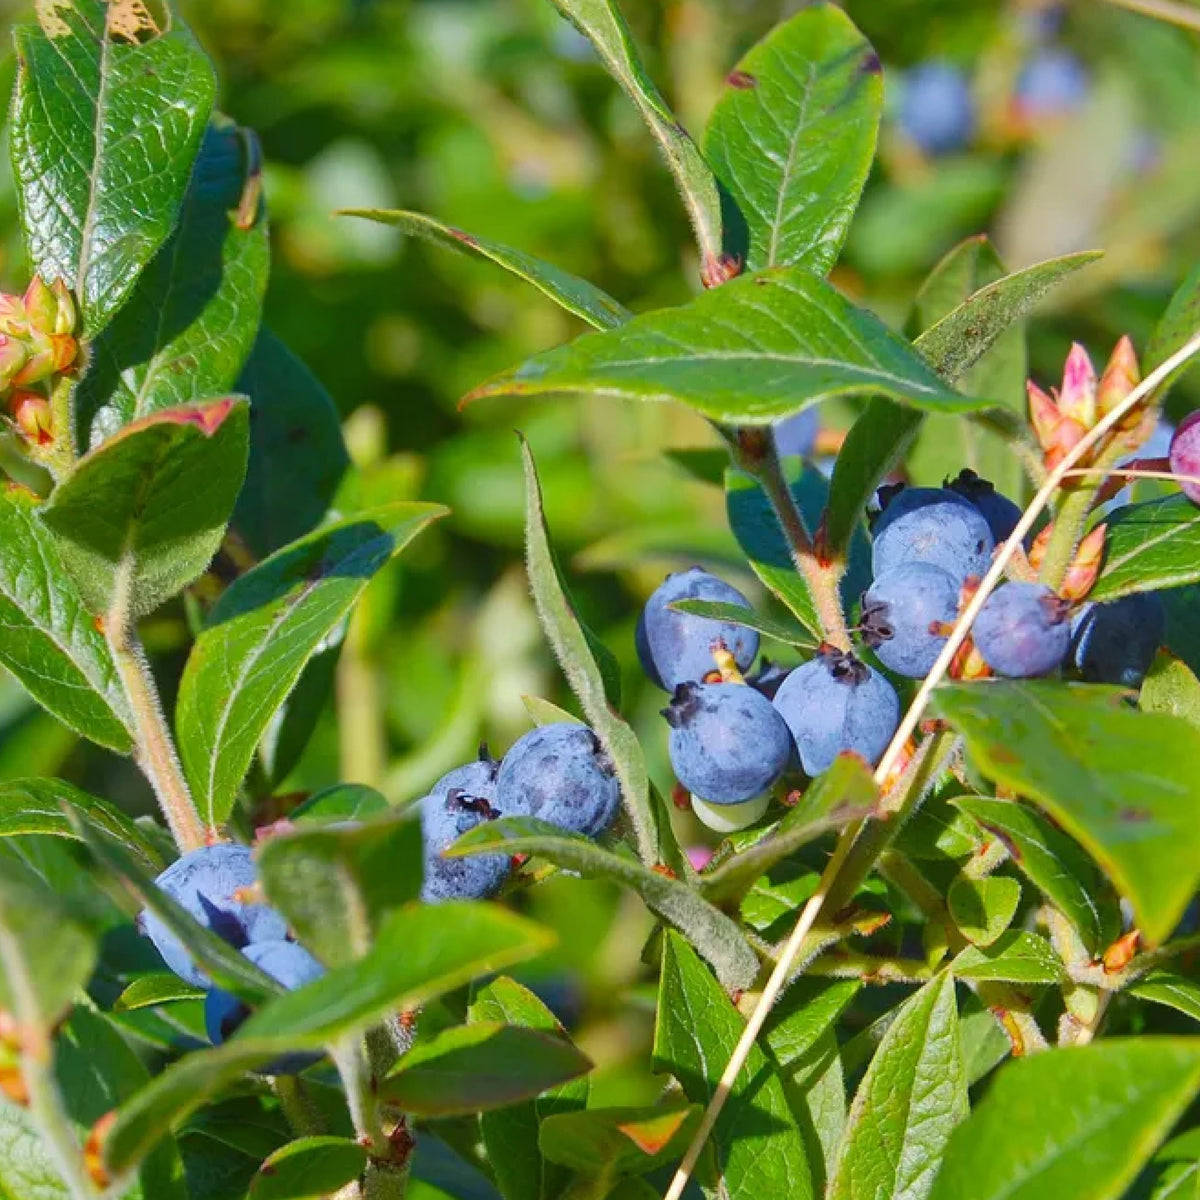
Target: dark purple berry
{"points": [[1117, 642], [834, 703], [676, 647], [1185, 454], [728, 744], [931, 525], [1023, 630], [907, 615]]}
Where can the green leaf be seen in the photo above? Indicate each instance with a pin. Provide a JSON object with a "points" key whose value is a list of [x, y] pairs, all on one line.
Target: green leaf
{"points": [[714, 934], [735, 614], [804, 1014], [38, 806], [545, 712], [141, 516], [227, 967], [1122, 783], [335, 884], [908, 1104], [260, 634], [1054, 864], [341, 802], [48, 639], [882, 436], [46, 954], [756, 1148], [1075, 1124], [755, 349], [188, 325], [104, 130], [421, 952], [1171, 989], [845, 793], [26, 1168], [1171, 687], [792, 138], [1148, 547], [983, 908], [756, 527], [481, 1066], [589, 666], [1175, 329], [604, 1143], [576, 295], [601, 22], [309, 1169], [511, 1134], [297, 453], [147, 991], [1015, 957]]}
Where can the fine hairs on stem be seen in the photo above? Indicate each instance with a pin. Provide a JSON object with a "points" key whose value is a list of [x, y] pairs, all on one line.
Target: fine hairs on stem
{"points": [[891, 757]]}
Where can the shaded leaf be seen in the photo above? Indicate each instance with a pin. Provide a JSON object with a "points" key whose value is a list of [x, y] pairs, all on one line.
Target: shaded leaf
{"points": [[604, 1143], [1171, 687], [104, 131], [1121, 782], [308, 1169], [335, 884], [735, 614], [1015, 957], [983, 908], [755, 349], [1148, 547], [805, 1012], [48, 639], [908, 1104], [163, 987], [757, 1146], [1075, 1124], [1170, 988], [341, 802], [188, 325], [260, 634], [1054, 864], [714, 934], [1175, 329], [792, 138], [141, 516], [576, 295]]}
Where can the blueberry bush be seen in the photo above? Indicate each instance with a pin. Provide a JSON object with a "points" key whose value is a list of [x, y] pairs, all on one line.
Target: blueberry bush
{"points": [[904, 877]]}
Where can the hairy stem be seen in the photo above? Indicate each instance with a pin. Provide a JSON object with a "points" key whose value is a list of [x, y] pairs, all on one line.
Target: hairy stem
{"points": [[754, 451], [155, 749], [297, 1105], [1070, 520]]}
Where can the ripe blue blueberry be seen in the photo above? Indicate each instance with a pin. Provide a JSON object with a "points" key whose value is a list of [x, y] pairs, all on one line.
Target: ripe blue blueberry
{"points": [[1052, 83], [931, 525], [460, 801], [834, 703], [728, 743], [936, 111], [797, 434], [998, 510], [907, 615], [1116, 643], [204, 882], [561, 774], [676, 647], [1023, 630], [288, 964]]}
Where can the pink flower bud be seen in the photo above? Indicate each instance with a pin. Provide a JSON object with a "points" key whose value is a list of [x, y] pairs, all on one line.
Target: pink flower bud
{"points": [[41, 305], [1121, 375], [33, 417], [12, 358], [1078, 397], [39, 363]]}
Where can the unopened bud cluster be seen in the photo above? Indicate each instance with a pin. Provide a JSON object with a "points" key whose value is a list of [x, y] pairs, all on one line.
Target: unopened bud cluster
{"points": [[37, 344]]}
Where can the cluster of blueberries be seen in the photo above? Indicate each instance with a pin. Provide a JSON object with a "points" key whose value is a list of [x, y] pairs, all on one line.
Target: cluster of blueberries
{"points": [[556, 772], [734, 735]]}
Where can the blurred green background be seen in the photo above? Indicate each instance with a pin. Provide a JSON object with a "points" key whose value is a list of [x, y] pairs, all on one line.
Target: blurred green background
{"points": [[494, 115]]}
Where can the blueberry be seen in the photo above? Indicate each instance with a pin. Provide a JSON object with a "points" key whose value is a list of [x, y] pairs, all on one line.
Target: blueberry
{"points": [[204, 882], [560, 773], [936, 111], [1117, 642], [797, 434], [768, 677], [676, 647], [1184, 454], [1053, 82], [287, 963], [834, 703], [998, 510], [931, 525], [906, 615], [728, 744], [460, 801], [1023, 630]]}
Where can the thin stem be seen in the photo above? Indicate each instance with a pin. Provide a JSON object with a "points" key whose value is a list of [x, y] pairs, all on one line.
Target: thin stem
{"points": [[1184, 15], [155, 751], [297, 1105], [362, 741]]}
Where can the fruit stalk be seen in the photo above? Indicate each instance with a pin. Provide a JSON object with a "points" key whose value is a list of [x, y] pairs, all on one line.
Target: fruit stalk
{"points": [[155, 752]]}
